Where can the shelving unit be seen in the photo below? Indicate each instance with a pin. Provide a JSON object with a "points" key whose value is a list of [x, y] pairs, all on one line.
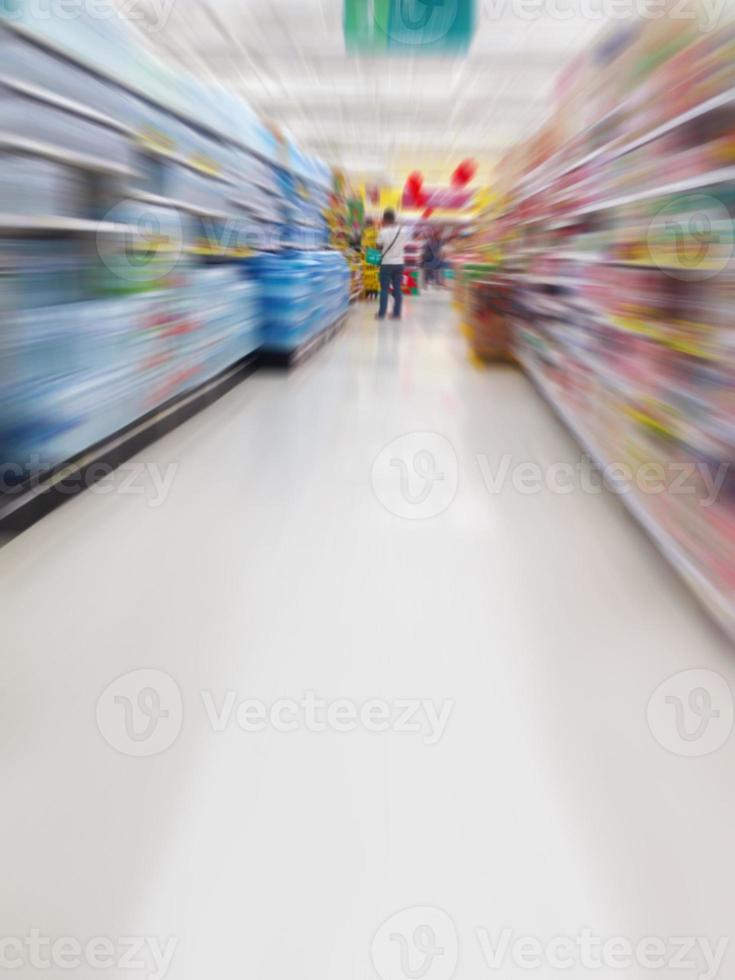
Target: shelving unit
{"points": [[161, 227], [628, 339], [127, 84]]}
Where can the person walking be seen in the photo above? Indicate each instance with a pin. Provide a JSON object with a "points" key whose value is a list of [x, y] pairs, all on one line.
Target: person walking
{"points": [[392, 241]]}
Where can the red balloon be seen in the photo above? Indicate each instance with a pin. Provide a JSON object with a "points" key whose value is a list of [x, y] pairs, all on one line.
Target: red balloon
{"points": [[464, 173], [427, 214], [415, 181]]}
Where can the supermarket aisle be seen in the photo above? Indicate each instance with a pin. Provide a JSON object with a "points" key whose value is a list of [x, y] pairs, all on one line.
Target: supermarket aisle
{"points": [[269, 555]]}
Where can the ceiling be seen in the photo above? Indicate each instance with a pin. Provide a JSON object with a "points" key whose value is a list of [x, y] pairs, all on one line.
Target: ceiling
{"points": [[376, 116]]}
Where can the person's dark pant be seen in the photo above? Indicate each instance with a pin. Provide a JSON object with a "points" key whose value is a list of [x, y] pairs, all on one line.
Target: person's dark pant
{"points": [[391, 275]]}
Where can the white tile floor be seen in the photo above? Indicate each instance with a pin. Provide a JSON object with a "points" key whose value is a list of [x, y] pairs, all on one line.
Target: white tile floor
{"points": [[271, 569]]}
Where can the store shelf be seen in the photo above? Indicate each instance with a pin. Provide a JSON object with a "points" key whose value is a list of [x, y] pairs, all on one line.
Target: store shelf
{"points": [[220, 253], [30, 226], [535, 191], [615, 150], [182, 161], [94, 68], [540, 169], [709, 105], [596, 258], [71, 158], [48, 45], [539, 280], [708, 594], [157, 200], [255, 212], [592, 258], [43, 95], [723, 175]]}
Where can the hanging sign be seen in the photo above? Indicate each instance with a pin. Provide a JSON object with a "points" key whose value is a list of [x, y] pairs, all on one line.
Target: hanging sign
{"points": [[415, 27]]}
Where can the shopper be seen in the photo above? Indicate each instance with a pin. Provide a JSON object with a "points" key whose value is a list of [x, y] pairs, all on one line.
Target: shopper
{"points": [[427, 256], [439, 260], [391, 242], [431, 259]]}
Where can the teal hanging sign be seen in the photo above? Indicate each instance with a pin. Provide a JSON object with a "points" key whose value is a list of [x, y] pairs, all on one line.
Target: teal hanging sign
{"points": [[431, 27]]}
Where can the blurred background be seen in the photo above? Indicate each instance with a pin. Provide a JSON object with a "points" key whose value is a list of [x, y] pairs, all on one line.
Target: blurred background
{"points": [[516, 503]]}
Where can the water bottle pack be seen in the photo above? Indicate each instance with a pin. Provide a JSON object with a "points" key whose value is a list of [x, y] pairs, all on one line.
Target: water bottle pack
{"points": [[301, 293]]}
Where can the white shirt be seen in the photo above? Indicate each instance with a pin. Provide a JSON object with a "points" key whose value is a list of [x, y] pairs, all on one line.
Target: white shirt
{"points": [[393, 254]]}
